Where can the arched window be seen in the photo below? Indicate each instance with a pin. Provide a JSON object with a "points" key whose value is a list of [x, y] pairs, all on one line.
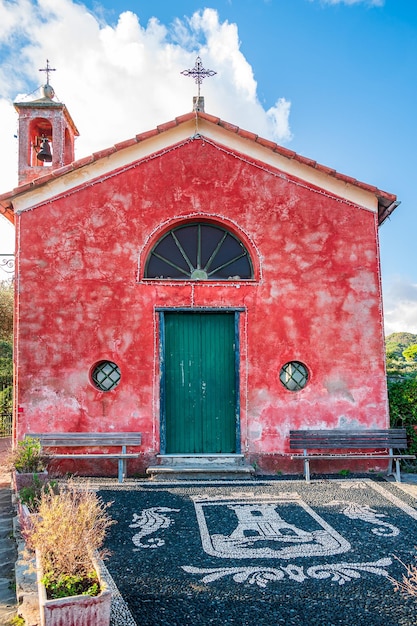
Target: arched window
{"points": [[199, 251]]}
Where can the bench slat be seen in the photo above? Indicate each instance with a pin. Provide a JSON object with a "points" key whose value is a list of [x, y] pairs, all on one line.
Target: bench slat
{"points": [[56, 440], [352, 456], [343, 439], [96, 456]]}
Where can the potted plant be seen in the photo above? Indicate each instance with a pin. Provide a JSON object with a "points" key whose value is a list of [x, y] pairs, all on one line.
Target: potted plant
{"points": [[66, 534], [26, 459]]}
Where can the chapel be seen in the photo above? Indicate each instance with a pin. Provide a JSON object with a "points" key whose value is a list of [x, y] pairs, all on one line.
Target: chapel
{"points": [[196, 283]]}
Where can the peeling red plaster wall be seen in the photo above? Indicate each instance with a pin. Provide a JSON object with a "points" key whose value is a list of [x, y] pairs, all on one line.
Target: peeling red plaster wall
{"points": [[316, 299]]}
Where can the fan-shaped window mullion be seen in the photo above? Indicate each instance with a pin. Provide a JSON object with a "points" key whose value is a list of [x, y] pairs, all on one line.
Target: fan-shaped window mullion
{"points": [[190, 244], [220, 267], [170, 263], [181, 249], [215, 252]]}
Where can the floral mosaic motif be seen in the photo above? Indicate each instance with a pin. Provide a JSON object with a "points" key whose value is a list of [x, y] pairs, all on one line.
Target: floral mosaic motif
{"points": [[363, 512], [262, 576], [151, 521]]}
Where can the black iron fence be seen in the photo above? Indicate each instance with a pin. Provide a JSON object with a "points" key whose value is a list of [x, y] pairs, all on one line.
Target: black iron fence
{"points": [[6, 405]]}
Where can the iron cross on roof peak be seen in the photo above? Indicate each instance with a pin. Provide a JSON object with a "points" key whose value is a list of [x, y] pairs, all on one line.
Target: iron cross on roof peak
{"points": [[198, 72]]}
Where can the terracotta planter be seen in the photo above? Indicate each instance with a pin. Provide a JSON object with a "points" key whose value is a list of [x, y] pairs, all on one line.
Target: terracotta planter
{"points": [[20, 479], [74, 610], [25, 517]]}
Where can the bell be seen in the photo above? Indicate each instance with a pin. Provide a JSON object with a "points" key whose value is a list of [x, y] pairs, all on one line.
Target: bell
{"points": [[44, 153]]}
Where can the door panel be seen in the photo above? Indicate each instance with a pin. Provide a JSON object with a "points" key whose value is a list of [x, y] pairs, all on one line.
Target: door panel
{"points": [[199, 382]]}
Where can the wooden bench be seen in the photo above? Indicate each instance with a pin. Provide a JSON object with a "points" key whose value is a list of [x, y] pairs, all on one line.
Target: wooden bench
{"points": [[91, 440], [386, 440]]}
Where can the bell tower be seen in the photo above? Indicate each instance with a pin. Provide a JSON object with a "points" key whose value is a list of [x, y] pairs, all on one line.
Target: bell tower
{"points": [[46, 134]]}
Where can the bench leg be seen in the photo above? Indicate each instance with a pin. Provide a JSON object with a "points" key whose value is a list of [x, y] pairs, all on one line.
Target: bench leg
{"points": [[397, 471], [120, 472], [307, 470], [390, 464], [122, 466]]}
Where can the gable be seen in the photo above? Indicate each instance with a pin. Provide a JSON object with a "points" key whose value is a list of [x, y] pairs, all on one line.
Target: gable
{"points": [[176, 136]]}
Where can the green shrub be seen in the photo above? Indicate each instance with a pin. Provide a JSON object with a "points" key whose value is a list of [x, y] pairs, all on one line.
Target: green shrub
{"points": [[402, 397], [30, 495], [67, 585], [27, 456]]}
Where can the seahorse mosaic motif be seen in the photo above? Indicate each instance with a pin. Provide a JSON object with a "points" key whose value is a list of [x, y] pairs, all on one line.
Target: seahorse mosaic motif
{"points": [[353, 510], [151, 521]]}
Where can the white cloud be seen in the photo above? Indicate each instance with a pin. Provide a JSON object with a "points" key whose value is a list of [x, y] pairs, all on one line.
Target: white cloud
{"points": [[400, 306], [119, 80]]}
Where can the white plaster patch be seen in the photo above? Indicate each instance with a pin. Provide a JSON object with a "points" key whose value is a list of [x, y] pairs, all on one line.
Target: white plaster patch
{"points": [[363, 282]]}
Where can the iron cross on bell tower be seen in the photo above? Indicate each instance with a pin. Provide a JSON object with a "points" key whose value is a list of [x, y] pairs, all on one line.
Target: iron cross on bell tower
{"points": [[47, 89], [199, 73]]}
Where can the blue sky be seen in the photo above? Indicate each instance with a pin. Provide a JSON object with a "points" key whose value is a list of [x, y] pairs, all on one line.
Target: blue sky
{"points": [[334, 80]]}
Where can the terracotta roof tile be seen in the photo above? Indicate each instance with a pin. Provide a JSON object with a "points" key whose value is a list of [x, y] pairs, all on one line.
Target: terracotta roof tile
{"points": [[266, 143], [101, 154], [246, 134], [184, 118], [230, 127], [290, 154], [306, 161], [163, 127], [147, 134], [84, 161], [326, 170], [126, 144], [62, 170], [210, 118]]}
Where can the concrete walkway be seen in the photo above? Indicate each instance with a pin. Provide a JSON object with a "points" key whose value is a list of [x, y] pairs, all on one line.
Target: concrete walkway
{"points": [[8, 552]]}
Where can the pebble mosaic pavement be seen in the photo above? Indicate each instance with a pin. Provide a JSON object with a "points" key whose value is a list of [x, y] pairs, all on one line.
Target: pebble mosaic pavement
{"points": [[263, 553]]}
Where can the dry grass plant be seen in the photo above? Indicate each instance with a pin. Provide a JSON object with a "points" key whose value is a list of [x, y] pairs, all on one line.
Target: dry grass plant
{"points": [[408, 583], [69, 528]]}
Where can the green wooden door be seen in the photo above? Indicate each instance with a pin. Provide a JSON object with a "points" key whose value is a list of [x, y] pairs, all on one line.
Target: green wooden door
{"points": [[199, 383]]}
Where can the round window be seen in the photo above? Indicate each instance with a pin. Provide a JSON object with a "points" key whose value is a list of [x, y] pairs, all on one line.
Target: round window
{"points": [[106, 375], [294, 375]]}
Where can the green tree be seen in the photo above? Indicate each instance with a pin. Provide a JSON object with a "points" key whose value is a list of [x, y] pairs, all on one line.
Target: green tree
{"points": [[398, 367], [410, 353], [6, 311]]}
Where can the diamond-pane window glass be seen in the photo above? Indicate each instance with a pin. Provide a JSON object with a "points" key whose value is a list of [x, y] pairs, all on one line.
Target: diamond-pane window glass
{"points": [[294, 375], [199, 252], [106, 375]]}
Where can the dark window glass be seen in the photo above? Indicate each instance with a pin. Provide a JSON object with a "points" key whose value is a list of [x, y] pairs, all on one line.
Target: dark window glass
{"points": [[106, 375], [199, 252], [294, 375]]}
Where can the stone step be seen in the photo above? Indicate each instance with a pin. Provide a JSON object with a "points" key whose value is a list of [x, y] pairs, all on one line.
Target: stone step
{"points": [[200, 467], [200, 459]]}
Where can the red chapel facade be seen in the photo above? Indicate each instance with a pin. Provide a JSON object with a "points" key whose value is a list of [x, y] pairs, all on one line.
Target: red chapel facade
{"points": [[198, 284]]}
